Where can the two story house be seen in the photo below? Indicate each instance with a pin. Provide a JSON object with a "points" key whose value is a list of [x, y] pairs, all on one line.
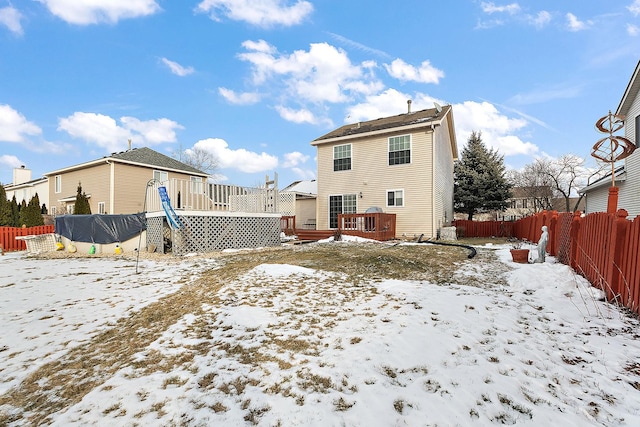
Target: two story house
{"points": [[117, 184], [627, 176], [401, 164]]}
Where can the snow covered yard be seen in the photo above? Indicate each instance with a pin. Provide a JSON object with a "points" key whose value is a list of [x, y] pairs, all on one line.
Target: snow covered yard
{"points": [[355, 334]]}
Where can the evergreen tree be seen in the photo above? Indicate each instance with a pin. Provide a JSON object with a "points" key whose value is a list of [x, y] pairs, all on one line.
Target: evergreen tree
{"points": [[22, 214], [15, 212], [30, 215], [480, 184], [82, 206], [5, 209]]}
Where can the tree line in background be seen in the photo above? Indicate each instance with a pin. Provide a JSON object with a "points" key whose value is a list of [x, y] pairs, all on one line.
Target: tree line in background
{"points": [[482, 183], [14, 214]]}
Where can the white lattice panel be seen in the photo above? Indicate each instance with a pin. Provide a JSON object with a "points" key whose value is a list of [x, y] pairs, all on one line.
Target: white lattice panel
{"points": [[204, 234]]}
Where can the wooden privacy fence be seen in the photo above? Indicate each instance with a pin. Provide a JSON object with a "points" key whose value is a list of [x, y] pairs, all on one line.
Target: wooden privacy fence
{"points": [[602, 247], [8, 236]]}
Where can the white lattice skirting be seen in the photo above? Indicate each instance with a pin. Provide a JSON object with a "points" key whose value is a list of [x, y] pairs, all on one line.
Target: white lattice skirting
{"points": [[213, 231]]}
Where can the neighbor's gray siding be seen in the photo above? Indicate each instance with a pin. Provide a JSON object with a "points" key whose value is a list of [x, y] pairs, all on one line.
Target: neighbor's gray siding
{"points": [[629, 196]]}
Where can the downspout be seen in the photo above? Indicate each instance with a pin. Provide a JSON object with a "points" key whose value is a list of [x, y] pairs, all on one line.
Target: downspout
{"points": [[112, 183], [434, 229]]}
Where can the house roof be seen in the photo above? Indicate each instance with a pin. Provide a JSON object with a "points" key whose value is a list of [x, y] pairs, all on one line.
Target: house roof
{"points": [[630, 93], [409, 120], [303, 187], [138, 156], [620, 175]]}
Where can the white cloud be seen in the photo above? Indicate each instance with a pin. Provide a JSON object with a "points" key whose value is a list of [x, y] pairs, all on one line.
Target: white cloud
{"points": [[498, 130], [574, 24], [240, 159], [177, 69], [633, 30], [246, 98], [426, 73], [10, 161], [388, 103], [490, 7], [541, 19], [294, 159], [261, 13], [97, 11], [105, 132], [10, 17], [322, 74], [14, 127], [634, 8], [296, 116]]}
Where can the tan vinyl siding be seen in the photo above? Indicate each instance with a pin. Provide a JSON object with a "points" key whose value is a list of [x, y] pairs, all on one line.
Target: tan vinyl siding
{"points": [[94, 184], [372, 176], [130, 186], [443, 179]]}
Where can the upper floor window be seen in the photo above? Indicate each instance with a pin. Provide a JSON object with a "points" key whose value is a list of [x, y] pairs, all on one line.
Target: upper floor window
{"points": [[58, 184], [161, 176], [342, 157], [395, 198], [399, 150]]}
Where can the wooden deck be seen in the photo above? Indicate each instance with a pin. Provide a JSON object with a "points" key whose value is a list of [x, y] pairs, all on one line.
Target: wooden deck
{"points": [[375, 226]]}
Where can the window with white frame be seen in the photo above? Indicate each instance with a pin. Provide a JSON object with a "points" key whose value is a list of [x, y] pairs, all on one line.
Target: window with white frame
{"points": [[340, 204], [395, 198], [58, 184], [71, 209], [52, 211], [102, 208], [161, 176], [196, 185], [399, 150], [342, 157]]}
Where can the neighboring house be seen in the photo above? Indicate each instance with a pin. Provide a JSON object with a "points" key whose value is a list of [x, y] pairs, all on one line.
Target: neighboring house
{"points": [[24, 188], [627, 177], [304, 195], [402, 164], [117, 184], [526, 201]]}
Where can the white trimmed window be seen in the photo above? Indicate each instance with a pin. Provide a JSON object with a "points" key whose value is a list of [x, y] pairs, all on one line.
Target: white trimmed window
{"points": [[196, 185], [101, 208], [342, 157], [161, 176], [58, 184], [52, 211], [399, 150], [340, 204], [395, 198], [71, 209]]}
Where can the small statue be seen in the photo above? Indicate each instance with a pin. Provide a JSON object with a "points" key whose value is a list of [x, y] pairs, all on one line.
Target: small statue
{"points": [[542, 244]]}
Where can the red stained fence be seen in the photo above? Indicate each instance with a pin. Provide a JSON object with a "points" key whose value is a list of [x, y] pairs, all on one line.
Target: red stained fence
{"points": [[8, 236], [603, 247]]}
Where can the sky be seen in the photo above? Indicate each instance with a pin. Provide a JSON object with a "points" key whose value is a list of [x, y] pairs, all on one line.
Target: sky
{"points": [[255, 81], [537, 348]]}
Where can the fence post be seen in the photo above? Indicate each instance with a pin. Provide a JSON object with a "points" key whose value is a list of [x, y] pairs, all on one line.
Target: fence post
{"points": [[574, 233], [553, 234], [614, 257]]}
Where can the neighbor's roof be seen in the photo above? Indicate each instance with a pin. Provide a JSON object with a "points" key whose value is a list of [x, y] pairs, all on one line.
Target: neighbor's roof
{"points": [[630, 93], [416, 119], [138, 156], [620, 175], [303, 187]]}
